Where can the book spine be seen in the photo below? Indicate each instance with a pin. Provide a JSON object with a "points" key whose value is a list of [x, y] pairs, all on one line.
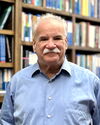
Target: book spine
{"points": [[2, 49], [69, 34]]}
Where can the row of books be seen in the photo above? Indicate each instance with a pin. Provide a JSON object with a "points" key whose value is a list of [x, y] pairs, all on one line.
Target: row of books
{"points": [[83, 7], [65, 5], [28, 21], [91, 62], [87, 35], [28, 58], [5, 76], [5, 49], [34, 2], [87, 8]]}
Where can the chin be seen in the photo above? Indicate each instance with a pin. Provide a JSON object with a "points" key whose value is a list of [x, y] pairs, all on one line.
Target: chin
{"points": [[52, 62]]}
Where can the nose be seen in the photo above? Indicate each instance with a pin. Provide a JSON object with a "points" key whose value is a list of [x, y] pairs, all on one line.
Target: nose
{"points": [[51, 44]]}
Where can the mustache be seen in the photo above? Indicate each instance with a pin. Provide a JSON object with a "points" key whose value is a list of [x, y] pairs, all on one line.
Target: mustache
{"points": [[55, 50]]}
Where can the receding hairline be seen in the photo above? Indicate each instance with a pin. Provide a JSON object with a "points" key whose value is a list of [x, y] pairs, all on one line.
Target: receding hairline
{"points": [[49, 16]]}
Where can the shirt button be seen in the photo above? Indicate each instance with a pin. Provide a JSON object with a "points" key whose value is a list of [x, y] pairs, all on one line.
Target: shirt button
{"points": [[49, 97], [49, 116], [50, 81]]}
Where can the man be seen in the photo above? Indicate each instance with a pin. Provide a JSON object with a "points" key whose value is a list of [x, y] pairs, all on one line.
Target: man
{"points": [[53, 91]]}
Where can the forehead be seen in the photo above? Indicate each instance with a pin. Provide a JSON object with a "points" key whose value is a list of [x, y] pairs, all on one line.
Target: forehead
{"points": [[50, 21], [50, 26]]}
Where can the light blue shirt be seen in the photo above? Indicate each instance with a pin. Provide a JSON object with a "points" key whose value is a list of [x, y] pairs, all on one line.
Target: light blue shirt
{"points": [[69, 98]]}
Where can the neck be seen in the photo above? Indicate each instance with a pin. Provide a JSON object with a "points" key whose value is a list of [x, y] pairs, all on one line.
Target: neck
{"points": [[50, 71]]}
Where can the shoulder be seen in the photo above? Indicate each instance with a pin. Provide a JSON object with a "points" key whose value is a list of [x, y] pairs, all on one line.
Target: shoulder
{"points": [[21, 77], [83, 74], [81, 70], [23, 73]]}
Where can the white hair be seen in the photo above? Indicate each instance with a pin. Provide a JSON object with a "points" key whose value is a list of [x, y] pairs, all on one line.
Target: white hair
{"points": [[49, 16]]}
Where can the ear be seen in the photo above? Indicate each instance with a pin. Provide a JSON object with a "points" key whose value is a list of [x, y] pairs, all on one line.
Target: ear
{"points": [[34, 45], [66, 43]]}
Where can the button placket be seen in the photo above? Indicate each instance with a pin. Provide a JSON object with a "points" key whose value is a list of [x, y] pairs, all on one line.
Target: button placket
{"points": [[49, 100]]}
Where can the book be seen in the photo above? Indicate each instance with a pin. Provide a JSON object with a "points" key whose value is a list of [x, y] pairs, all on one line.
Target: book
{"points": [[5, 80], [83, 33], [0, 79], [91, 35], [4, 16], [66, 5], [69, 33], [91, 8], [8, 50], [85, 9], [38, 2], [28, 28], [23, 24], [32, 58], [77, 8], [6, 76], [77, 34], [70, 6], [2, 48]]}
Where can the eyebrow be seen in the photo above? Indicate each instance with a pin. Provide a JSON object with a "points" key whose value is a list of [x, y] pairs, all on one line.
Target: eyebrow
{"points": [[58, 36], [43, 38], [46, 36]]}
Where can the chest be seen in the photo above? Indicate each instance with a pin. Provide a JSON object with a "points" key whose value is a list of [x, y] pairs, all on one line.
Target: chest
{"points": [[57, 97]]}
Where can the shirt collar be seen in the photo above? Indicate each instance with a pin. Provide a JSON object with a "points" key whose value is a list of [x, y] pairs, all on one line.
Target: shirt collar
{"points": [[65, 67], [36, 69]]}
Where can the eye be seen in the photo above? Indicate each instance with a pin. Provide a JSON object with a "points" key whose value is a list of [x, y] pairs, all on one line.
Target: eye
{"points": [[57, 38], [43, 39]]}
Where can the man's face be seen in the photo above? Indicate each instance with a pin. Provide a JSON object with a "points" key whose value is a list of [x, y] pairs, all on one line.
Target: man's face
{"points": [[50, 43]]}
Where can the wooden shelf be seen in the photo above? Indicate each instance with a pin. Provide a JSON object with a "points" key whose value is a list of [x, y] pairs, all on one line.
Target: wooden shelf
{"points": [[59, 12], [9, 1], [6, 65], [2, 93], [89, 49], [7, 32], [26, 43], [45, 10], [70, 47], [87, 18], [1, 98]]}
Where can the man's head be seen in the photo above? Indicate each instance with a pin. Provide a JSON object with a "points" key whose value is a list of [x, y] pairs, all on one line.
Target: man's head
{"points": [[49, 39]]}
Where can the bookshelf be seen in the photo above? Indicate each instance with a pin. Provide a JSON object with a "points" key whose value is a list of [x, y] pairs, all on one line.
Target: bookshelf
{"points": [[7, 42], [14, 30]]}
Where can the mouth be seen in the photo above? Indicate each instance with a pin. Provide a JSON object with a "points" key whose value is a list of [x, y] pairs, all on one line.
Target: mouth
{"points": [[51, 54]]}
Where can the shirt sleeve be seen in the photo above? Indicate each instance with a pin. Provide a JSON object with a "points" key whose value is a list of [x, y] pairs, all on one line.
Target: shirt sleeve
{"points": [[96, 114], [98, 102], [6, 117]]}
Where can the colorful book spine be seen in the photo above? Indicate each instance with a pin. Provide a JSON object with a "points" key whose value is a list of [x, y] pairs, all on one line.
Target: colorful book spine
{"points": [[85, 8], [5, 77], [2, 48], [69, 33]]}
